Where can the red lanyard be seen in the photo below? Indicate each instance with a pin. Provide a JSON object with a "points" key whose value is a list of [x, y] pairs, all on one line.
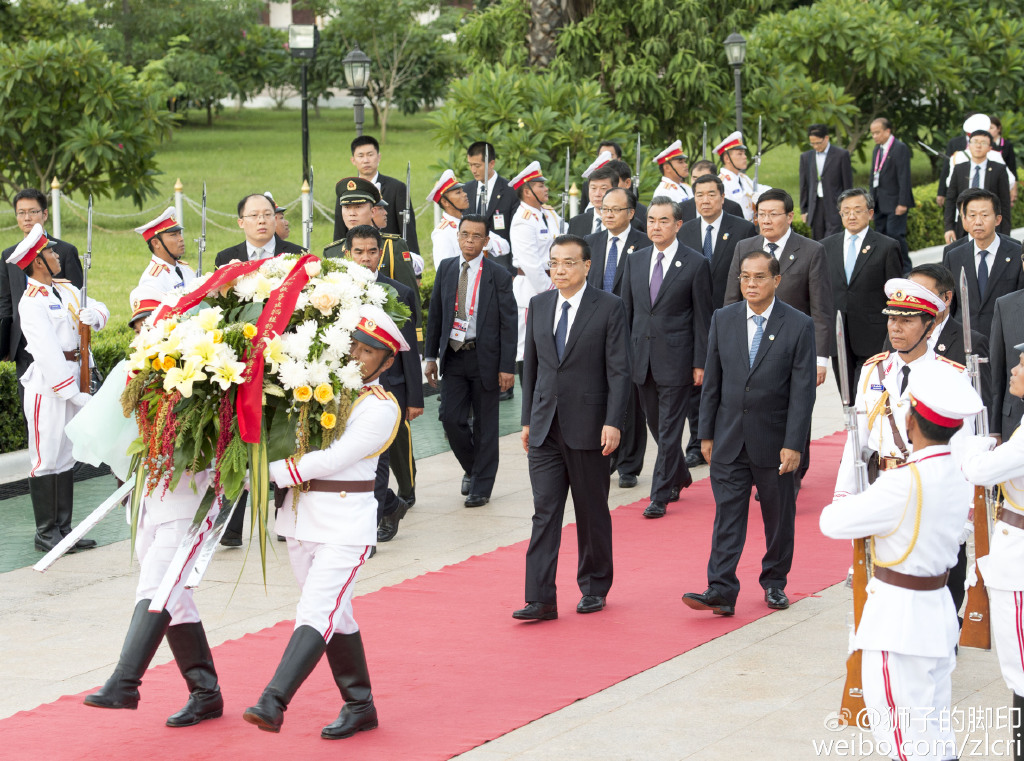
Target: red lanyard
{"points": [[883, 155], [476, 289]]}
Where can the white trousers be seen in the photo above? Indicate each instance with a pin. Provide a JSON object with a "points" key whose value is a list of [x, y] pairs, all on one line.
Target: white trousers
{"points": [[908, 698], [156, 542], [327, 575], [48, 446], [1007, 611], [521, 335]]}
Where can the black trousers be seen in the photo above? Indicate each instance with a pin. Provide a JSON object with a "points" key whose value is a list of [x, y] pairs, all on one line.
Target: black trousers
{"points": [[895, 226], [666, 408], [476, 447], [555, 469], [817, 220], [731, 483], [628, 459]]}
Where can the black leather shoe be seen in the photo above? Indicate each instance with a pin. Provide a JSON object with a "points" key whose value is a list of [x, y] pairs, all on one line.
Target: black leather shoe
{"points": [[695, 460], [231, 539], [476, 500], [409, 501], [627, 481], [776, 598], [466, 481], [655, 510], [673, 495], [388, 527], [536, 611], [504, 396], [711, 600], [590, 604]]}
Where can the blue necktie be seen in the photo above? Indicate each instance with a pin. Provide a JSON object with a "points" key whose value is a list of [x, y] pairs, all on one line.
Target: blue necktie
{"points": [[708, 247], [560, 330], [759, 321], [609, 267], [976, 182], [772, 248], [982, 274], [851, 257], [656, 278]]}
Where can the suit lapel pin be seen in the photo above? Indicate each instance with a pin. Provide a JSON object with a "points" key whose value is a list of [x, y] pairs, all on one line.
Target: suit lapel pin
{"points": [[630, 250], [771, 337], [678, 264], [867, 248], [791, 257], [725, 236], [941, 347], [1007, 258]]}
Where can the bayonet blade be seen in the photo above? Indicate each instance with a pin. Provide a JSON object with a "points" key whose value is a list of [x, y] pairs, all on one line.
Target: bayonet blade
{"points": [[965, 311], [85, 526], [844, 370], [704, 144], [407, 211]]}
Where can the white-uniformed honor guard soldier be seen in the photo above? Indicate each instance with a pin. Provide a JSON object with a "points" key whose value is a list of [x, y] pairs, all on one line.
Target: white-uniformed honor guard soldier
{"points": [[738, 186], [450, 195], [164, 519], [912, 517], [50, 312], [330, 532], [165, 270], [534, 228], [674, 171], [883, 395], [1002, 569]]}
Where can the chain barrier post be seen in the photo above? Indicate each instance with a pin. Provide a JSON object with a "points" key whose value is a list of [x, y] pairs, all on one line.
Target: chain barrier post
{"points": [[55, 207]]}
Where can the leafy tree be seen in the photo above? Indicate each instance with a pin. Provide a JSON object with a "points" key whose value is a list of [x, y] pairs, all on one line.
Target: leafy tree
{"points": [[70, 112], [41, 20], [187, 78]]}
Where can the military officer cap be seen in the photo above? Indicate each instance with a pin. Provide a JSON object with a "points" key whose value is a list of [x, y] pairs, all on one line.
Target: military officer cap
{"points": [[943, 395], [30, 247], [532, 173], [144, 300], [603, 158], [353, 190], [165, 223], [277, 209], [443, 185], [381, 204], [674, 151], [735, 140], [905, 298], [977, 122], [378, 330]]}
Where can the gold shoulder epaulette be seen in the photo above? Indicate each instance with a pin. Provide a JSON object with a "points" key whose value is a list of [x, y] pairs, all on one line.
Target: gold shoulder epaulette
{"points": [[949, 361], [379, 392], [877, 358], [391, 236], [155, 270], [33, 290], [527, 214], [61, 280]]}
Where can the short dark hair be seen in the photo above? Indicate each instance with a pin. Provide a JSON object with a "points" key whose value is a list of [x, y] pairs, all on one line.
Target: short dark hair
{"points": [[817, 130], [995, 120], [773, 264], [616, 148], [362, 232], [886, 124], [934, 431], [704, 179], [606, 172], [481, 147], [30, 194], [630, 198], [705, 163], [777, 194], [941, 274], [853, 193], [244, 201], [677, 210], [362, 140], [479, 219], [978, 194], [564, 240], [621, 169]]}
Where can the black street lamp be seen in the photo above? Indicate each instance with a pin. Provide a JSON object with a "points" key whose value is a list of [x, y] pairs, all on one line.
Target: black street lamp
{"points": [[302, 42], [735, 53], [357, 72]]}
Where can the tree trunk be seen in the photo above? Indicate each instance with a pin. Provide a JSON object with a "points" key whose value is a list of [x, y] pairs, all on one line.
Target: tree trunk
{"points": [[209, 113], [546, 18]]}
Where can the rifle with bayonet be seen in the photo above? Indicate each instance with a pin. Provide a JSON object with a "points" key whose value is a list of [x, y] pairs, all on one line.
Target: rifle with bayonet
{"points": [[407, 211], [976, 631], [308, 221], [852, 708], [704, 144], [481, 191], [636, 171], [84, 332], [757, 157], [565, 194], [201, 240]]}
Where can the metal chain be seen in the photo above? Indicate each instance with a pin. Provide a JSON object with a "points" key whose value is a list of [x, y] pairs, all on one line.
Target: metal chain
{"points": [[145, 212]]}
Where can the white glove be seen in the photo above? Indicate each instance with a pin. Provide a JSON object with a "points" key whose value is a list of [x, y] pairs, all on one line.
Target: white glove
{"points": [[417, 263], [81, 399], [965, 532], [91, 317], [972, 445], [972, 576]]}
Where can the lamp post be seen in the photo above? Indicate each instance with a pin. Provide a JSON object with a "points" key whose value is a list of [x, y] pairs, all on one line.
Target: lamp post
{"points": [[302, 42], [357, 72], [735, 53]]}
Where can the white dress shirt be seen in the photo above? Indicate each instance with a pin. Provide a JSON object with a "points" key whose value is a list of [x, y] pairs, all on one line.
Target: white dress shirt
{"points": [[781, 243], [670, 254], [990, 259], [752, 326], [716, 226], [620, 252], [269, 249], [574, 307], [819, 162]]}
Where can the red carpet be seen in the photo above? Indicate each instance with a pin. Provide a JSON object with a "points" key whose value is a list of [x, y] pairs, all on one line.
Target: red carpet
{"points": [[450, 668]]}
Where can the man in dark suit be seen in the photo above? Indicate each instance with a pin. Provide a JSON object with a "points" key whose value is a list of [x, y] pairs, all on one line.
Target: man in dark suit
{"points": [[979, 172], [805, 284], [600, 181], [860, 261], [366, 160], [30, 209], [498, 203], [364, 244], [754, 416], [890, 184], [1005, 410], [575, 387], [472, 328], [689, 206], [261, 240], [609, 250], [991, 261], [825, 172], [715, 233], [667, 293]]}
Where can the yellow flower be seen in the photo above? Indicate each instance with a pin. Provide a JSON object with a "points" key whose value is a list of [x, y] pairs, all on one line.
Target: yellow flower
{"points": [[303, 393], [324, 393], [208, 318], [204, 349], [166, 364], [225, 371], [218, 336], [157, 364], [182, 378], [273, 353], [249, 331], [328, 421]]}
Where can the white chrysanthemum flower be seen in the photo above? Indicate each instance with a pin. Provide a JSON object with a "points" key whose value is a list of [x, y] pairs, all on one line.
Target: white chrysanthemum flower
{"points": [[292, 374], [336, 338], [302, 301], [318, 372], [347, 318], [245, 287], [351, 375], [376, 295]]}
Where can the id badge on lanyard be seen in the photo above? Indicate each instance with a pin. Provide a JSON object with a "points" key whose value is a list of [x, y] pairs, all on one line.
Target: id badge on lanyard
{"points": [[461, 326]]}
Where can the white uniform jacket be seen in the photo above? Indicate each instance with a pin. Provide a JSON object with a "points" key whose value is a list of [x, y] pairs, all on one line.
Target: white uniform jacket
{"points": [[445, 238], [532, 233], [162, 276], [740, 188], [677, 191]]}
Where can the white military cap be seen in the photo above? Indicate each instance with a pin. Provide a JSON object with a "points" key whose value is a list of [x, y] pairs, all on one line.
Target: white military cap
{"points": [[943, 395]]}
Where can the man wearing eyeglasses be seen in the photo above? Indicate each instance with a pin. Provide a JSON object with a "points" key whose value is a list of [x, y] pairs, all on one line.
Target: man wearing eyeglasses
{"points": [[471, 338], [30, 210], [257, 217], [979, 172]]}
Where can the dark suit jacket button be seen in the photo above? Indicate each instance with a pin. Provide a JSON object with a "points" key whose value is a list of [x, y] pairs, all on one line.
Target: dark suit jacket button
{"points": [[747, 388], [744, 412]]}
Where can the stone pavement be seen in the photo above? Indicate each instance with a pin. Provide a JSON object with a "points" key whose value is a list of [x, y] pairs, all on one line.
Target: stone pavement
{"points": [[764, 691]]}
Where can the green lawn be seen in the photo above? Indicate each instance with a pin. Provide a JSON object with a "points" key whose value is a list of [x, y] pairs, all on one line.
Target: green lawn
{"points": [[254, 151]]}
